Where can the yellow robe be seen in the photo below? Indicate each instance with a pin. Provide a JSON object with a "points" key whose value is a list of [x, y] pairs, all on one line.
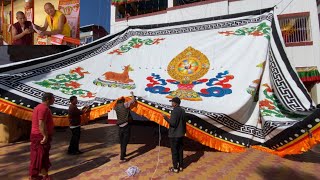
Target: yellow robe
{"points": [[54, 25]]}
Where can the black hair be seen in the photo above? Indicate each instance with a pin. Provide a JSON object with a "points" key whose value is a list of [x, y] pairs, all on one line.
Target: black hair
{"points": [[121, 100], [19, 12], [72, 98], [47, 96]]}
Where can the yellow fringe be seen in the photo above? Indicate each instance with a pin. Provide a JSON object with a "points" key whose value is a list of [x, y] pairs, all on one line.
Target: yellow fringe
{"points": [[299, 147], [213, 142], [155, 115], [15, 110], [24, 113]]}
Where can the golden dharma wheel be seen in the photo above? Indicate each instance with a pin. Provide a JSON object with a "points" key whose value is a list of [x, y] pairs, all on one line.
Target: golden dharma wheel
{"points": [[188, 66]]}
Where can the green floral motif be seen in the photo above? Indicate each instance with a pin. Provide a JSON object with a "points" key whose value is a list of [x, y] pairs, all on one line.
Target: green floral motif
{"points": [[271, 106], [67, 83], [261, 30], [99, 82], [135, 43]]}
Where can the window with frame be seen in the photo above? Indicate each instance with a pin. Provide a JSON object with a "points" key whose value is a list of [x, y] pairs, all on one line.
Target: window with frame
{"points": [[140, 7], [296, 29]]}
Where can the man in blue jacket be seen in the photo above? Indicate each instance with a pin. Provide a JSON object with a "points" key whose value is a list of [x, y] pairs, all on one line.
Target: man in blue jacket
{"points": [[177, 130]]}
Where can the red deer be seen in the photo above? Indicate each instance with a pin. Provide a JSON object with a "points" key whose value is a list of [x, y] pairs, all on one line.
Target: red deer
{"points": [[119, 77]]}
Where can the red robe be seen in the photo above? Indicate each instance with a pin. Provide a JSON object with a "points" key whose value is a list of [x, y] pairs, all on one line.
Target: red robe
{"points": [[39, 155]]}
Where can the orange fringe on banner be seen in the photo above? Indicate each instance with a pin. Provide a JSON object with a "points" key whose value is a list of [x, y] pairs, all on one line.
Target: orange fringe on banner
{"points": [[153, 114], [24, 113], [298, 147], [12, 109]]}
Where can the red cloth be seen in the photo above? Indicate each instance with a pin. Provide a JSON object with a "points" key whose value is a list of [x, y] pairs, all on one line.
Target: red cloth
{"points": [[26, 39], [39, 155], [43, 112]]}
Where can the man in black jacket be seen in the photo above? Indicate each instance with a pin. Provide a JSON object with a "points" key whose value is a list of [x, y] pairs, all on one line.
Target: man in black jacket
{"points": [[122, 109], [177, 130], [75, 125]]}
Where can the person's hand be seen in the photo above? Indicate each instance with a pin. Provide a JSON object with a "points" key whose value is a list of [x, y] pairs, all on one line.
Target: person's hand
{"points": [[44, 33], [36, 27], [31, 30], [44, 140], [27, 31], [85, 108]]}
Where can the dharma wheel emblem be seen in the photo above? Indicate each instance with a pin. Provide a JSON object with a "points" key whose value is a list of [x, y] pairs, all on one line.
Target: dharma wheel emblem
{"points": [[188, 66]]}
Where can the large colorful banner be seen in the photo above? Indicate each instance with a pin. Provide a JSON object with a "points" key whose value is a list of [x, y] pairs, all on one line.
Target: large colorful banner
{"points": [[232, 74], [71, 9]]}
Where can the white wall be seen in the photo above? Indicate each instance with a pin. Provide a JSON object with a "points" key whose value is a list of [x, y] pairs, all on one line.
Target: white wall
{"points": [[196, 12], [298, 55]]}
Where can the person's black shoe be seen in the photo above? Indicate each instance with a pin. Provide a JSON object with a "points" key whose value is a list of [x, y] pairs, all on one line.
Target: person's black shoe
{"points": [[71, 153], [36, 177], [180, 169], [79, 152], [172, 169], [123, 160]]}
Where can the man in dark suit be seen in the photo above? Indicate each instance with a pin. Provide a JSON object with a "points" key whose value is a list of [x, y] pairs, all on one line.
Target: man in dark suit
{"points": [[177, 130]]}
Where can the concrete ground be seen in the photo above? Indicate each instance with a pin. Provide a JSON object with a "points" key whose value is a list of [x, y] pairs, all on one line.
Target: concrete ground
{"points": [[100, 159]]}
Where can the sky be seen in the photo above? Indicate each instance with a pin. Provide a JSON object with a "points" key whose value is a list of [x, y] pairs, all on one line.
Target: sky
{"points": [[95, 12]]}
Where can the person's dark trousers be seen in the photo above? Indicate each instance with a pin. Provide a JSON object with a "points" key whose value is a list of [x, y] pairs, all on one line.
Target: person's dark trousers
{"points": [[74, 142], [124, 136], [177, 152]]}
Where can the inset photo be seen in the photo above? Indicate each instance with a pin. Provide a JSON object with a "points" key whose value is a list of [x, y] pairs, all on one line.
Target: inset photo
{"points": [[40, 22]]}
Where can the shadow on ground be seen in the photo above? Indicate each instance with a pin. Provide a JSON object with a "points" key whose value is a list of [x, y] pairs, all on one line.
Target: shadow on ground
{"points": [[148, 133], [84, 166], [97, 138], [311, 156], [269, 172]]}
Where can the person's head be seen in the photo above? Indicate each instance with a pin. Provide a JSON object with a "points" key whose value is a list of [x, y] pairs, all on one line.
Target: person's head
{"points": [[73, 100], [21, 18], [121, 100], [49, 9], [175, 101], [48, 98]]}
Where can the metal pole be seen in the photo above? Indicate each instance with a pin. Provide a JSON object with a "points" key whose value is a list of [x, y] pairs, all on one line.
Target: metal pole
{"points": [[228, 7], [11, 20], [32, 11], [2, 13]]}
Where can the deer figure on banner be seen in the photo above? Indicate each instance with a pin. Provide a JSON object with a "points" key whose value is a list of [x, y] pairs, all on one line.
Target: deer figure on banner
{"points": [[119, 77]]}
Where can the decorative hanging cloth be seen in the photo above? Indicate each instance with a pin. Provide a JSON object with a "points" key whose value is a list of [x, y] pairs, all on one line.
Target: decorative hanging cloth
{"points": [[309, 74], [232, 74]]}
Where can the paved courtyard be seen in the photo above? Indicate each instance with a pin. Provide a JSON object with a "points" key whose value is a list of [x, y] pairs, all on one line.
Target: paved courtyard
{"points": [[100, 159]]}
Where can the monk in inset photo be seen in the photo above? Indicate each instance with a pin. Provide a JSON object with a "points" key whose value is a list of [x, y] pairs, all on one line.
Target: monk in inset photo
{"points": [[22, 32], [57, 22]]}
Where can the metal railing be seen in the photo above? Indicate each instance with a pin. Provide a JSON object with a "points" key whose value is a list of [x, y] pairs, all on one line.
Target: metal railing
{"points": [[295, 29]]}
